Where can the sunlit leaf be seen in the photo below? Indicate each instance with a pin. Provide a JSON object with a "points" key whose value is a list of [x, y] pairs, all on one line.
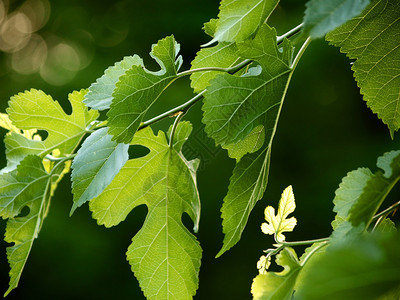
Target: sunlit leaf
{"points": [[164, 255], [234, 105], [238, 20], [278, 286], [139, 88], [100, 93], [27, 186], [244, 111], [35, 110], [372, 40], [279, 223]]}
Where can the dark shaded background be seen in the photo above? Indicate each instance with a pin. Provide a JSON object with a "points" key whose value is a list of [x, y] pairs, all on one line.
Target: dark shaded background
{"points": [[325, 131]]}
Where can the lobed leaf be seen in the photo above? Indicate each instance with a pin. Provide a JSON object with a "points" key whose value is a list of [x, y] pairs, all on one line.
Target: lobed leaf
{"points": [[323, 16], [35, 110], [373, 40], [279, 223], [278, 286], [27, 186], [164, 256], [97, 162], [139, 88], [239, 20], [244, 110], [234, 106], [100, 93]]}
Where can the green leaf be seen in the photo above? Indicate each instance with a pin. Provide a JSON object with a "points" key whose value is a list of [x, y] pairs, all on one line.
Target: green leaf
{"points": [[373, 41], [360, 195], [350, 189], [97, 162], [323, 16], [27, 186], [392, 295], [253, 142], [309, 258], [239, 20], [278, 286], [279, 223], [385, 226], [235, 108], [376, 189], [100, 93], [36, 110], [139, 88], [247, 185], [364, 268], [164, 255], [19, 143], [223, 55]]}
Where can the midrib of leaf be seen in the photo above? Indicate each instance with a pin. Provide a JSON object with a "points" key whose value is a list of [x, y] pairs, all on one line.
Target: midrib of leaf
{"points": [[167, 216], [166, 225], [38, 224]]}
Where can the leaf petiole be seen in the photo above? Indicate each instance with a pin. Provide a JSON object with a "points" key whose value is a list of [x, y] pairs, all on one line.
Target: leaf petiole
{"points": [[290, 33], [386, 211], [301, 243], [234, 69]]}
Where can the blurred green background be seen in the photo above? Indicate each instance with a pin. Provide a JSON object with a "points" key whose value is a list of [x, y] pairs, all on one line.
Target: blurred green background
{"points": [[325, 131]]}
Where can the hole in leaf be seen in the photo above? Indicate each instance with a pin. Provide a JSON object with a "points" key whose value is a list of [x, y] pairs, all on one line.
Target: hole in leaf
{"points": [[187, 222], [136, 151], [43, 134], [66, 106], [24, 212]]}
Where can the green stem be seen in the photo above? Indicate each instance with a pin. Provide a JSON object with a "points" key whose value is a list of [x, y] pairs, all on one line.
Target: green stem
{"points": [[60, 161], [386, 211], [234, 69], [231, 70], [176, 122], [290, 33], [171, 113], [300, 243]]}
